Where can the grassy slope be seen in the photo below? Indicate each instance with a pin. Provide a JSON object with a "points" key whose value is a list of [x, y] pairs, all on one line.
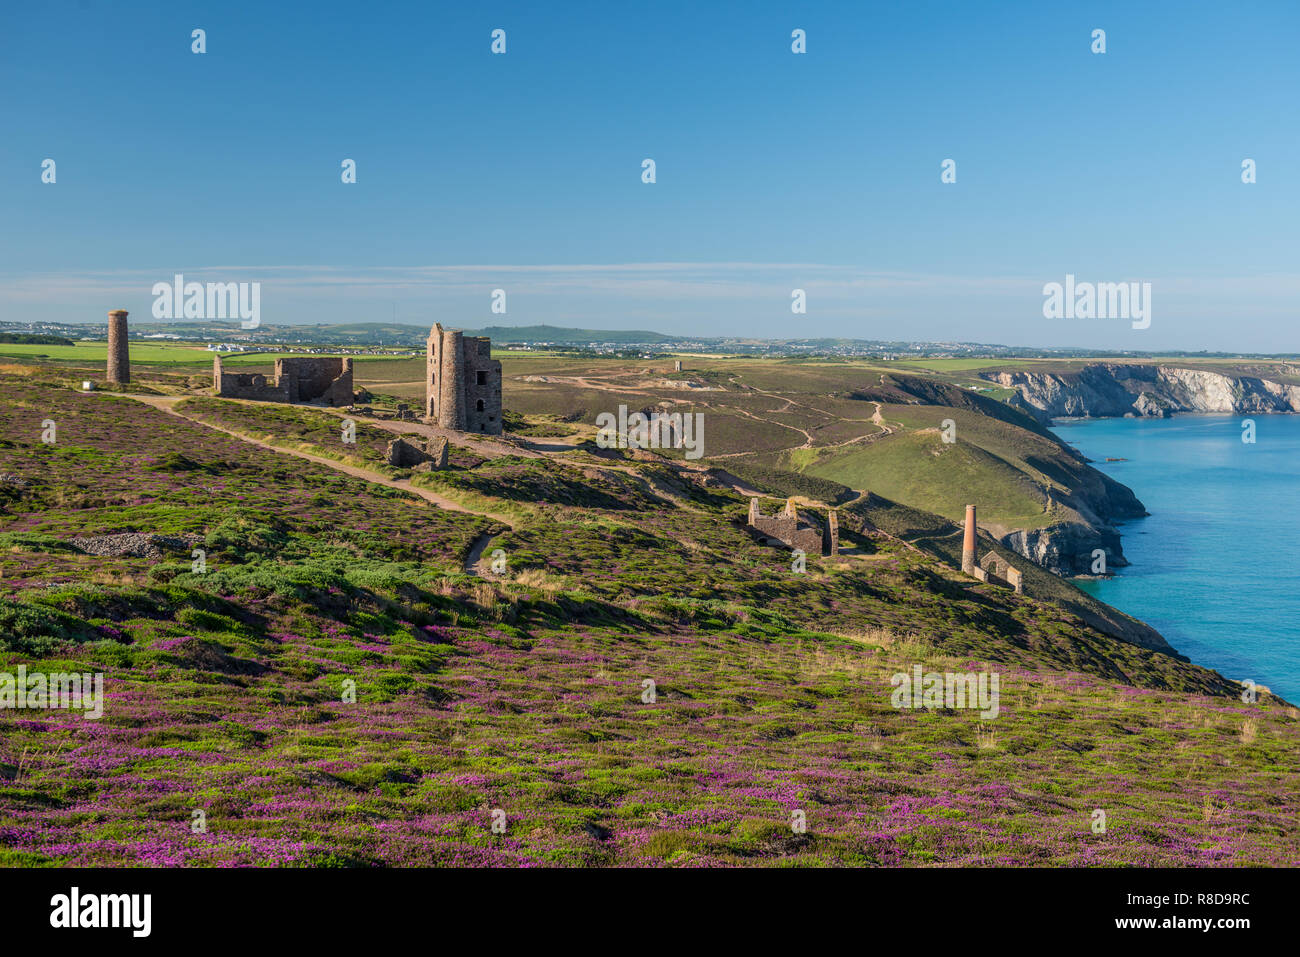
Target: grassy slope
{"points": [[92, 355], [926, 472], [809, 416], [770, 407], [942, 538], [525, 694]]}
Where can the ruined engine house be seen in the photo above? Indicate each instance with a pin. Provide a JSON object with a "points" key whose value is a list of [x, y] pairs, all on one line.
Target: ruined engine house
{"points": [[462, 382]]}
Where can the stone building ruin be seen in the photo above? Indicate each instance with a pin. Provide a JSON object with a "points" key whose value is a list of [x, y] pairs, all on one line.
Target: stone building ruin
{"points": [[462, 382], [788, 529], [992, 568], [318, 381], [408, 454], [996, 570]]}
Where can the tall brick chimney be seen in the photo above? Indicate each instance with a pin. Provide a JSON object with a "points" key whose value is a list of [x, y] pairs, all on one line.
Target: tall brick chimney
{"points": [[968, 543], [119, 353]]}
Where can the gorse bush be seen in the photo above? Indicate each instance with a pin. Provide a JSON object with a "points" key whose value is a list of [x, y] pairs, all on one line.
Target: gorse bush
{"points": [[174, 462], [244, 534], [33, 542], [38, 630], [301, 580]]}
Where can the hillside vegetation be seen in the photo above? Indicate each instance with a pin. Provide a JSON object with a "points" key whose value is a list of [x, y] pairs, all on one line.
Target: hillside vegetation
{"points": [[345, 684], [922, 440]]}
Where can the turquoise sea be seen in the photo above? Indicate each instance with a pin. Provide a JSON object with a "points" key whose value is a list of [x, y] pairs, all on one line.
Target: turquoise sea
{"points": [[1216, 566]]}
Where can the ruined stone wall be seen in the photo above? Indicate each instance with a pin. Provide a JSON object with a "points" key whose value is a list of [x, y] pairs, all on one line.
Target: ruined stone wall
{"points": [[406, 454], [436, 451], [245, 385], [996, 570], [1016, 579], [831, 534], [786, 528], [482, 386], [324, 380]]}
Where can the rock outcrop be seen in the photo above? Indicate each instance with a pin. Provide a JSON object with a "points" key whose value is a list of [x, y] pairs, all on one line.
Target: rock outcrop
{"points": [[135, 545], [1108, 389], [1068, 548]]}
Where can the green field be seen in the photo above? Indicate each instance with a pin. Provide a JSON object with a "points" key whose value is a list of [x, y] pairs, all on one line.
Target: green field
{"points": [[157, 354], [926, 473], [143, 352], [950, 365]]}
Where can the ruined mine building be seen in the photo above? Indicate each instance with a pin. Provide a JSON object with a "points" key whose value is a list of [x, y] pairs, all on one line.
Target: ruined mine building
{"points": [[788, 529], [996, 570], [320, 381], [462, 382]]}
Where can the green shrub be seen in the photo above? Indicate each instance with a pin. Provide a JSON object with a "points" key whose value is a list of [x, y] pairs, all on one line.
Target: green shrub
{"points": [[37, 630]]}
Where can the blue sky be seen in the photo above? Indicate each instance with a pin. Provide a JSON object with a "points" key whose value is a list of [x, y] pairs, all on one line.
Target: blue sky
{"points": [[775, 171]]}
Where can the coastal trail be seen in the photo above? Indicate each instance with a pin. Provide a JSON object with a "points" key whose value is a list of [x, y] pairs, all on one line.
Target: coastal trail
{"points": [[167, 403]]}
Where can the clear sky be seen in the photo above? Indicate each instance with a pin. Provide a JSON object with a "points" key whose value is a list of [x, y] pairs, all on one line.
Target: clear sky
{"points": [[775, 170]]}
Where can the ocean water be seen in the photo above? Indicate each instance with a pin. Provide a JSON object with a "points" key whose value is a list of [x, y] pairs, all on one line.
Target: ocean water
{"points": [[1216, 566]]}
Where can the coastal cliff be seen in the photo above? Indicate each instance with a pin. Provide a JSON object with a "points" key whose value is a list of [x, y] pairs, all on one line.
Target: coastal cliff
{"points": [[1038, 496], [1113, 390], [1105, 390]]}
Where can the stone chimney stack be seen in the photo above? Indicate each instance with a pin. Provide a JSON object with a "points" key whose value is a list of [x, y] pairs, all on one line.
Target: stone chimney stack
{"points": [[451, 402], [119, 353], [968, 543]]}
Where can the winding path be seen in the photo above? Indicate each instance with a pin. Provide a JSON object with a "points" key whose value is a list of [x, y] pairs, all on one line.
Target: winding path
{"points": [[476, 553], [167, 403], [483, 445]]}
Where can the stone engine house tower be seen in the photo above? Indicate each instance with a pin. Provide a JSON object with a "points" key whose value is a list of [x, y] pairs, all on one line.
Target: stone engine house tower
{"points": [[119, 352], [462, 382]]}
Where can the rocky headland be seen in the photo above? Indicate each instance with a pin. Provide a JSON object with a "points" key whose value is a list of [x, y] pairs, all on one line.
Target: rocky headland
{"points": [[1106, 390]]}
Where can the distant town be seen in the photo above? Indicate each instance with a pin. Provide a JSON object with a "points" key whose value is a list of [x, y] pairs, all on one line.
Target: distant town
{"points": [[395, 339]]}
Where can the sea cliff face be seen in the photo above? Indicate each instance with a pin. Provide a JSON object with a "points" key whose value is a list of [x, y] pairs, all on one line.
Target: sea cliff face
{"points": [[1112, 390], [1106, 390], [1069, 548], [1087, 515]]}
